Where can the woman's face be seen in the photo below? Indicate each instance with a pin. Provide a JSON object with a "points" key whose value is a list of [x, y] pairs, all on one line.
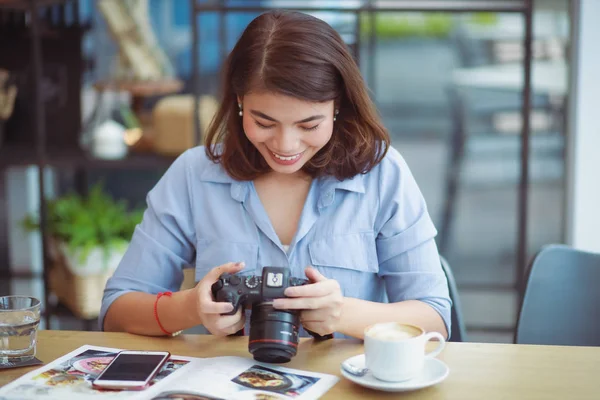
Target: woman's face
{"points": [[286, 131]]}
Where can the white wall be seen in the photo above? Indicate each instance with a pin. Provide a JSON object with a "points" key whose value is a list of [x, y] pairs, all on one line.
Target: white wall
{"points": [[583, 158]]}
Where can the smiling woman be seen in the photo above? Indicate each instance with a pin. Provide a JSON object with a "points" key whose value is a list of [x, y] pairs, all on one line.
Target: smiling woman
{"points": [[286, 143], [294, 74], [297, 172]]}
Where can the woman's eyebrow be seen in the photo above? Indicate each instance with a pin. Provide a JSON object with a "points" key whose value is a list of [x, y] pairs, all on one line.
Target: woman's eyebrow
{"points": [[265, 116], [261, 115], [314, 117]]}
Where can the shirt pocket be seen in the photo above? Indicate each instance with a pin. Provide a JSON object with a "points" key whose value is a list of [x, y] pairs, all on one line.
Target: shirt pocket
{"points": [[212, 253], [347, 258]]}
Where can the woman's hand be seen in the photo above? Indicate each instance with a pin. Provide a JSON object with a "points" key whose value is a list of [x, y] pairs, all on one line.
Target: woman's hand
{"points": [[321, 302], [210, 311]]}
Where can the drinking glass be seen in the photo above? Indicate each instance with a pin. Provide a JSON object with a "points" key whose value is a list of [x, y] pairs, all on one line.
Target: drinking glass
{"points": [[19, 321]]}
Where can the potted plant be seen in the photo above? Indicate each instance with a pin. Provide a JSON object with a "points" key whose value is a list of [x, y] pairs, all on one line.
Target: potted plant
{"points": [[87, 237]]}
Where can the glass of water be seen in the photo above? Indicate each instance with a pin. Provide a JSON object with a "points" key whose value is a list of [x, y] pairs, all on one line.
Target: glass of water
{"points": [[19, 320]]}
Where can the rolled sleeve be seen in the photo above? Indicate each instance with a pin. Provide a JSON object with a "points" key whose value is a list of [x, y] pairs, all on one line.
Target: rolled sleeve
{"points": [[162, 244], [417, 275], [409, 261]]}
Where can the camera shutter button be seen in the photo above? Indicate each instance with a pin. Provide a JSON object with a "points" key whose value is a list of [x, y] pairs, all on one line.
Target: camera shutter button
{"points": [[251, 282]]}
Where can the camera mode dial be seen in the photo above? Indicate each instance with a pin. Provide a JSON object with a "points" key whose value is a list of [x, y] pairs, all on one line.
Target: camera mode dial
{"points": [[252, 282]]}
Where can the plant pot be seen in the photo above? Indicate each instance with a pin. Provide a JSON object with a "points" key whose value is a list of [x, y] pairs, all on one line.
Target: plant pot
{"points": [[82, 295], [96, 263], [80, 286]]}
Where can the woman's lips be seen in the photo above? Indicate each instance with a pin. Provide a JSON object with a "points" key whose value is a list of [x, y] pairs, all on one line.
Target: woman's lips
{"points": [[285, 159]]}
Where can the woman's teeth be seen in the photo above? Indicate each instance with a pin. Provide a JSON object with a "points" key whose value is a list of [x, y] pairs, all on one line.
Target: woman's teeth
{"points": [[287, 158]]}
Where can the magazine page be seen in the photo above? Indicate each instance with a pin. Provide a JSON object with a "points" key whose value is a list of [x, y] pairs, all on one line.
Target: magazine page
{"points": [[71, 376], [239, 378]]}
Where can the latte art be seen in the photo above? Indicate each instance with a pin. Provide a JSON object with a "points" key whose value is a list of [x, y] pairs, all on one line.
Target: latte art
{"points": [[393, 332]]}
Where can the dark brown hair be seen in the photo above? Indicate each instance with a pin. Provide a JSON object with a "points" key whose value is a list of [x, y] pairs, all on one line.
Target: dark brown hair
{"points": [[301, 56]]}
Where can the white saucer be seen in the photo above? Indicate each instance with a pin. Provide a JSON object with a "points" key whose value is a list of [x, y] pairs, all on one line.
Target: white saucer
{"points": [[434, 372]]}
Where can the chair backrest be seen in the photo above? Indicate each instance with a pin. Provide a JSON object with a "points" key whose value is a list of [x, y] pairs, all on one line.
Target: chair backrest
{"points": [[458, 332], [561, 305]]}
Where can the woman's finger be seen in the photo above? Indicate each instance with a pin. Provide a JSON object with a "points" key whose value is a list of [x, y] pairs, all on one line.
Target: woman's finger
{"points": [[318, 289], [231, 268], [229, 320], [299, 303], [238, 326], [312, 316], [213, 307], [314, 275]]}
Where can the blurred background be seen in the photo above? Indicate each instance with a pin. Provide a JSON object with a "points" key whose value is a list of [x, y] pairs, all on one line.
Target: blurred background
{"points": [[447, 84]]}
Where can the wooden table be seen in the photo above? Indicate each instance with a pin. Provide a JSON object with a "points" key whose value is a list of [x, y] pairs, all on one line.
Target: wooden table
{"points": [[477, 371]]}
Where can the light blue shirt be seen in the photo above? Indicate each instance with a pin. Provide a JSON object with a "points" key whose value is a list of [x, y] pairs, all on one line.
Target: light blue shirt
{"points": [[371, 233]]}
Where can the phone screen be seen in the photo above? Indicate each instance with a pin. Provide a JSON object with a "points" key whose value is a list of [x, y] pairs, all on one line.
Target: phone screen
{"points": [[131, 367]]}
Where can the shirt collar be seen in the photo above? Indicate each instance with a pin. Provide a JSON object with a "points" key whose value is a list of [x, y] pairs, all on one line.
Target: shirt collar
{"points": [[216, 173], [328, 185]]}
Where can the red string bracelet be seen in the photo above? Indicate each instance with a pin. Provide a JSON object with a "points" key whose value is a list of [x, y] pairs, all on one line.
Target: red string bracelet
{"points": [[158, 296]]}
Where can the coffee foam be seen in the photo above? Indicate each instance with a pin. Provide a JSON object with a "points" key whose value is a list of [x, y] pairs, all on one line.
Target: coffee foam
{"points": [[393, 332]]}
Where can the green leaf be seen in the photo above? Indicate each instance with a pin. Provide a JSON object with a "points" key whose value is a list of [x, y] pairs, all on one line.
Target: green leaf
{"points": [[84, 223]]}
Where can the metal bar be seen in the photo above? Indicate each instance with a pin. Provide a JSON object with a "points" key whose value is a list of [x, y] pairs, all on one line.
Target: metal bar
{"points": [[195, 71], [19, 274], [398, 6], [62, 15], [75, 12], [222, 35], [357, 39], [47, 15], [371, 51], [5, 269], [523, 201], [40, 134]]}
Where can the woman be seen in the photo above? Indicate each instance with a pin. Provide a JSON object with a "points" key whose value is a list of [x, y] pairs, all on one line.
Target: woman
{"points": [[297, 171]]}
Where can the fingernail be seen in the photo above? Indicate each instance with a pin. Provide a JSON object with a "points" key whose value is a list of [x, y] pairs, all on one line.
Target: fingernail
{"points": [[230, 308], [240, 264], [276, 303], [289, 292]]}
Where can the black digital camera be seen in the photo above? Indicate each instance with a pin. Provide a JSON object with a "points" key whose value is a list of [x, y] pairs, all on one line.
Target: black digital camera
{"points": [[273, 333]]}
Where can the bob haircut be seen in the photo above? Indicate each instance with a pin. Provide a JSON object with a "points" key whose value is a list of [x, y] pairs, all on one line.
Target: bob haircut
{"points": [[297, 55]]}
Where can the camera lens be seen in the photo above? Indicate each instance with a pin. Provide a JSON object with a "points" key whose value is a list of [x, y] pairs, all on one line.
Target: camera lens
{"points": [[273, 333]]}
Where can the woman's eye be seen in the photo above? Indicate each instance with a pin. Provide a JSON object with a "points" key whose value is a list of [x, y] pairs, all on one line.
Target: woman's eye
{"points": [[263, 126], [312, 128]]}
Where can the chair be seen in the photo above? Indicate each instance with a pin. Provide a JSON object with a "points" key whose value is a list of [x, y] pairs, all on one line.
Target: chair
{"points": [[458, 332], [561, 305]]}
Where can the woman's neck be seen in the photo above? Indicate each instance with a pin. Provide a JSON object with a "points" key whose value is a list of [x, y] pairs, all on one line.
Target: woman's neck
{"points": [[286, 179]]}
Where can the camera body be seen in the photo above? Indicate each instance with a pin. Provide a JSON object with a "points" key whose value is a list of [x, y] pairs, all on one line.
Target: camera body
{"points": [[252, 289], [273, 333]]}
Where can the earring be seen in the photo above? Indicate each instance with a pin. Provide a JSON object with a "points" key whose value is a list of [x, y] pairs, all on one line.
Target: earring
{"points": [[240, 107], [336, 113]]}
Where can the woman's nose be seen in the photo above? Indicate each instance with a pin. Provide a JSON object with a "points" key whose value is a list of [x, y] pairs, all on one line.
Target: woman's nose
{"points": [[286, 140]]}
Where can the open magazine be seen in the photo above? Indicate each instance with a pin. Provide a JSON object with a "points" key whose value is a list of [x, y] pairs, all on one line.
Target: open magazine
{"points": [[71, 376]]}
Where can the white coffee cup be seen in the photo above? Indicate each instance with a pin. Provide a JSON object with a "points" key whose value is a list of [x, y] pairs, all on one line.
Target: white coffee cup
{"points": [[395, 352]]}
